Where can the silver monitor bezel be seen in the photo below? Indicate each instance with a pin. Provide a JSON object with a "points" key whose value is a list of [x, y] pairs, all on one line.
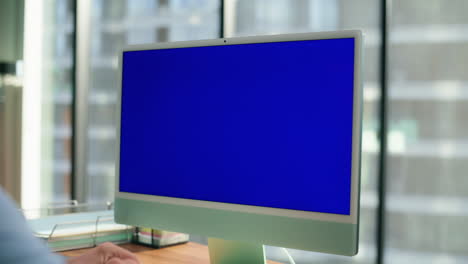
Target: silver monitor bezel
{"points": [[357, 120]]}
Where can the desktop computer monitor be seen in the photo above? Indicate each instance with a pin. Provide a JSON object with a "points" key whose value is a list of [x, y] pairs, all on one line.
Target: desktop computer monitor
{"points": [[250, 141]]}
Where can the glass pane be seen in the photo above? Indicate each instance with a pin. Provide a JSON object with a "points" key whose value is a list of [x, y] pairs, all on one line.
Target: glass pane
{"points": [[57, 102], [427, 212], [51, 42], [124, 22], [260, 17]]}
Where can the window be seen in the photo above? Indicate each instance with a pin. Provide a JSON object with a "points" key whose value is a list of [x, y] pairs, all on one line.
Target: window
{"points": [[427, 211], [47, 103]]}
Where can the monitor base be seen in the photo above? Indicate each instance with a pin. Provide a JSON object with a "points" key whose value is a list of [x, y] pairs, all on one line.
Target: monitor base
{"points": [[235, 252]]}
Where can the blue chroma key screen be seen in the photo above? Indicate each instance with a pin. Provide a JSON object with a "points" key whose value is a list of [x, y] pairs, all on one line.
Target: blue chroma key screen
{"points": [[266, 124]]}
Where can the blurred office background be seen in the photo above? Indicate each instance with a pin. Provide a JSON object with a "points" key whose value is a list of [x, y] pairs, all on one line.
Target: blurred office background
{"points": [[58, 99]]}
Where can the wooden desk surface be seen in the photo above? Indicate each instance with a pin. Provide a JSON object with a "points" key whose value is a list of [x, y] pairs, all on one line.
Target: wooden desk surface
{"points": [[190, 252]]}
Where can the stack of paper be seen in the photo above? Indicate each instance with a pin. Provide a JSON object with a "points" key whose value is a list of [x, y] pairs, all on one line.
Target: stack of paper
{"points": [[80, 230], [159, 238]]}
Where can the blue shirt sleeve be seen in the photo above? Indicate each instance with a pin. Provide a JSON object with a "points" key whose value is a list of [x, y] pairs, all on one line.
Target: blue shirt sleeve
{"points": [[17, 243]]}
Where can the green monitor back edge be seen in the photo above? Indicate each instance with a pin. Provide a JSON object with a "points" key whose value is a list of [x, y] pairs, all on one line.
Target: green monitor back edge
{"points": [[253, 225]]}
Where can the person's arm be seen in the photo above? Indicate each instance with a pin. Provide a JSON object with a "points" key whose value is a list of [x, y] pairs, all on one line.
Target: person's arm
{"points": [[17, 243], [19, 246]]}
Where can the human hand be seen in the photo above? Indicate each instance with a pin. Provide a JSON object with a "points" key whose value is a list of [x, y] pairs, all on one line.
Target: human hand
{"points": [[106, 253]]}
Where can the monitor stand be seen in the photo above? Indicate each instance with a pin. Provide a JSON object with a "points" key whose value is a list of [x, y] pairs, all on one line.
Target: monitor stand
{"points": [[235, 252]]}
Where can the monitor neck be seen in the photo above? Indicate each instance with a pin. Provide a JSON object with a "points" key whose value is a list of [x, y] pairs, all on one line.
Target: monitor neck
{"points": [[235, 252]]}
